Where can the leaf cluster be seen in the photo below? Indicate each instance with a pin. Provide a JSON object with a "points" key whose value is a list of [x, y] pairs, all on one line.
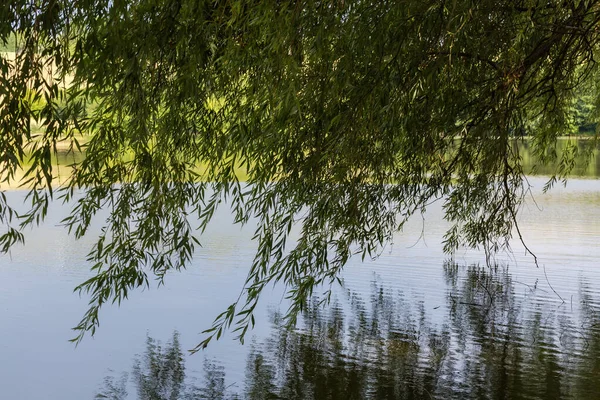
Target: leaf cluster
{"points": [[346, 117]]}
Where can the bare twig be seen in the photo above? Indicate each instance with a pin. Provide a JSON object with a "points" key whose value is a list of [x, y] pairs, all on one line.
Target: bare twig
{"points": [[548, 281]]}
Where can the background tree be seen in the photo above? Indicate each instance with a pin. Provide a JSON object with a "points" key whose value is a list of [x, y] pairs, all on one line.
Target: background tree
{"points": [[343, 117]]}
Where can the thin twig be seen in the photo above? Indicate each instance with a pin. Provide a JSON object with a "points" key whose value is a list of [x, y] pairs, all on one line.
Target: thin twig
{"points": [[421, 236], [547, 280], [527, 249], [528, 190]]}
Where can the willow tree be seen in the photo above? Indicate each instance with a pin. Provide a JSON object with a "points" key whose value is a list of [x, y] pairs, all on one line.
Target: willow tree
{"points": [[345, 118]]}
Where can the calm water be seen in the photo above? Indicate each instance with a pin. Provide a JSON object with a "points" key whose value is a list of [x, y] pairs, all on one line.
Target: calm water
{"points": [[412, 324], [588, 168]]}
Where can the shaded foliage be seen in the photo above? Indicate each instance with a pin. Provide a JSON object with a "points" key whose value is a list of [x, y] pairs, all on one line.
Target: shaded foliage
{"points": [[344, 117]]}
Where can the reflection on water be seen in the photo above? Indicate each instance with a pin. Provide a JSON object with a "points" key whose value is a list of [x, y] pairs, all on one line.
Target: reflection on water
{"points": [[66, 158], [493, 339], [583, 167]]}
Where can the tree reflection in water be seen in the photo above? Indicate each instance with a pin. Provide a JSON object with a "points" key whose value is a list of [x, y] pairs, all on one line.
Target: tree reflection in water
{"points": [[492, 343]]}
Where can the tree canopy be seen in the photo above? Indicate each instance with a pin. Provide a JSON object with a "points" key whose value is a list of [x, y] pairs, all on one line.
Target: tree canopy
{"points": [[343, 117]]}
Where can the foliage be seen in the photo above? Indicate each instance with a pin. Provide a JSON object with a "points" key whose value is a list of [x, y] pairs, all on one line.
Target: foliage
{"points": [[348, 116], [582, 109], [8, 44]]}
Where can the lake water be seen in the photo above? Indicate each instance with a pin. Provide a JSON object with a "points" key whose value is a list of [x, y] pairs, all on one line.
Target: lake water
{"points": [[412, 324]]}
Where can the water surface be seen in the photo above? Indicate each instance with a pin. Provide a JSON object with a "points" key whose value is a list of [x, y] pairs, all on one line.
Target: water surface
{"points": [[411, 324]]}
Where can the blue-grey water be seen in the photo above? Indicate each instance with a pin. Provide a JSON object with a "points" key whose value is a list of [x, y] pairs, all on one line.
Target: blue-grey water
{"points": [[412, 324]]}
